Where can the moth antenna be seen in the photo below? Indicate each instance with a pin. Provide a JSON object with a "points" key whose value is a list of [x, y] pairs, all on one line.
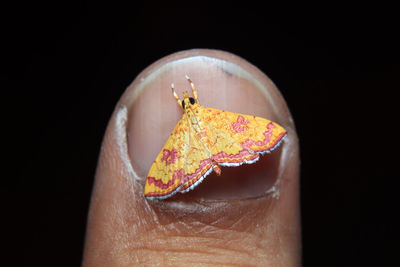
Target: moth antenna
{"points": [[176, 95], [193, 89]]}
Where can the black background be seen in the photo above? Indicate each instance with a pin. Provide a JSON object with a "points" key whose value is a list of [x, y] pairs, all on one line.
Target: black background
{"points": [[65, 67]]}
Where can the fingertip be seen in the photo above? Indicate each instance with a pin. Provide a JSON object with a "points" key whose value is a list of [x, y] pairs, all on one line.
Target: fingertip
{"points": [[144, 118]]}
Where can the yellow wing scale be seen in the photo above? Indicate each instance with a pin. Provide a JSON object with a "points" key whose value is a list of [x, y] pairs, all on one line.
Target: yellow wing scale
{"points": [[231, 138], [202, 140], [239, 138], [167, 172]]}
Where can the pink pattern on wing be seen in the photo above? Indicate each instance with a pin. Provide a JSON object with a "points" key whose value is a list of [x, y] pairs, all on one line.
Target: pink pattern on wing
{"points": [[169, 156], [203, 164], [177, 175], [240, 125], [268, 134]]}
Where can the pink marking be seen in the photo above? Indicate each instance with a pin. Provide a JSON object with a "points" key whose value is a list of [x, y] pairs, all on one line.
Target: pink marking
{"points": [[237, 126], [222, 155], [203, 164], [219, 158], [169, 156], [177, 175], [246, 152], [268, 134]]}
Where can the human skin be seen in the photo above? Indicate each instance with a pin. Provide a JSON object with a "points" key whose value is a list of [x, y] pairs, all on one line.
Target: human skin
{"points": [[248, 216]]}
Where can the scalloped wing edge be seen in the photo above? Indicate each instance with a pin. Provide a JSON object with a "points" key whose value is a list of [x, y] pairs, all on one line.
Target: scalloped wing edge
{"points": [[226, 164], [167, 195], [267, 151], [230, 164]]}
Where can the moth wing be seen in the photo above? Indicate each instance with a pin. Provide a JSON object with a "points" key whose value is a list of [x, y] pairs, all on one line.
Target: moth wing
{"points": [[165, 177], [231, 139], [238, 138], [198, 162]]}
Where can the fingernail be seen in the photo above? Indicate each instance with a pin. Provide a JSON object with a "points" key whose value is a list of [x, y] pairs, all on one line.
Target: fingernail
{"points": [[224, 82]]}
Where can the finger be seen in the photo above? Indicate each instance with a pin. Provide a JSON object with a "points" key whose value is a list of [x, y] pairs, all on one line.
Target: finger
{"points": [[248, 215]]}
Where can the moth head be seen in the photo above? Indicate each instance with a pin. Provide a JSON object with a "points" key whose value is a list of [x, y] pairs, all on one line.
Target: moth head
{"points": [[187, 101]]}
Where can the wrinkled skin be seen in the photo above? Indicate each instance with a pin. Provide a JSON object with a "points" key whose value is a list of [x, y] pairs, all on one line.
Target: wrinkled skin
{"points": [[248, 216]]}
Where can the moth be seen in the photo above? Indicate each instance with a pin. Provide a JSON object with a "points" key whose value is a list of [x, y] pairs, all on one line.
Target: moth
{"points": [[205, 139]]}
